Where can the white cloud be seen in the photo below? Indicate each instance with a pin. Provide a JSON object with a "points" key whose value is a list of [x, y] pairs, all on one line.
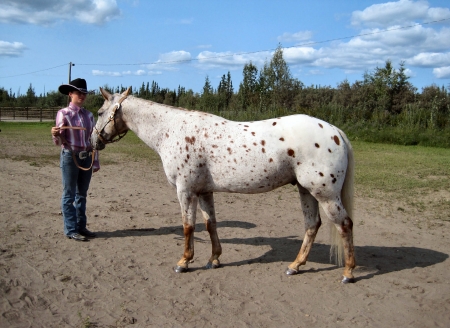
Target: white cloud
{"points": [[300, 55], [430, 59], [409, 73], [295, 37], [96, 72], [11, 49], [230, 60], [435, 14], [47, 12], [174, 56], [442, 72], [315, 72], [390, 13], [168, 61]]}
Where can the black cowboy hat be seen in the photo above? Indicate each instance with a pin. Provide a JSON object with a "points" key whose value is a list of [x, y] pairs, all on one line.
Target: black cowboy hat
{"points": [[77, 84]]}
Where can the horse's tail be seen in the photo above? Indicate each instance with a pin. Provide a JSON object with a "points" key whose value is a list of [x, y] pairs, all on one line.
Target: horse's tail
{"points": [[337, 245]]}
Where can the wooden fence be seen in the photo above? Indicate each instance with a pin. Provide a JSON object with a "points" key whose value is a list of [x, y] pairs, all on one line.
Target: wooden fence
{"points": [[28, 113]]}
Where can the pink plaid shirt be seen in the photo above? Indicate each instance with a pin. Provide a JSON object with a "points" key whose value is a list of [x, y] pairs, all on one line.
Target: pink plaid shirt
{"points": [[79, 140]]}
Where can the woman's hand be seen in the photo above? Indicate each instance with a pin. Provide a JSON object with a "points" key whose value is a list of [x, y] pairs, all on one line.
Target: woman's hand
{"points": [[55, 131]]}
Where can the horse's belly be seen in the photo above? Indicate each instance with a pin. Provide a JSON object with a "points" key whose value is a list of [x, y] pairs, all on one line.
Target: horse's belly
{"points": [[244, 180]]}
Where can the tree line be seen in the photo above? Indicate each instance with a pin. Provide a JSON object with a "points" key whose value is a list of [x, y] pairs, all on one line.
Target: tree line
{"points": [[383, 104]]}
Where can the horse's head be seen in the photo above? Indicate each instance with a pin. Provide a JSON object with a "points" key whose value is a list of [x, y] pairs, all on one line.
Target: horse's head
{"points": [[110, 122]]}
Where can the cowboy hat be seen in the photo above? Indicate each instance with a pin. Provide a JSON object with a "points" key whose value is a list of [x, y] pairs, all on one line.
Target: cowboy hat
{"points": [[77, 84]]}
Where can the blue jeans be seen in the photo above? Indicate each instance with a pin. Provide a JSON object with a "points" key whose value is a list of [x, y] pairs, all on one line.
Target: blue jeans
{"points": [[75, 187]]}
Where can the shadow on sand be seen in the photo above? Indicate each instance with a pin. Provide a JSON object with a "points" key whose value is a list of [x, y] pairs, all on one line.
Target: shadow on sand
{"points": [[371, 260]]}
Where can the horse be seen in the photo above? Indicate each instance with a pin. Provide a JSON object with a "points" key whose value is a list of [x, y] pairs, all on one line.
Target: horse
{"points": [[203, 153]]}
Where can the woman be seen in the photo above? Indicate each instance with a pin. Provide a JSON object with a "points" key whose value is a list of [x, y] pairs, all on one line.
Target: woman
{"points": [[73, 129]]}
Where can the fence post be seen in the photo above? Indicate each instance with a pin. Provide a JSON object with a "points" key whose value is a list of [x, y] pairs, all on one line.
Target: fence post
{"points": [[27, 113]]}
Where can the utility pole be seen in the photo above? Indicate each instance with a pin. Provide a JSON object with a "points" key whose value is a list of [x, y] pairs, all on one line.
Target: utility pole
{"points": [[70, 77]]}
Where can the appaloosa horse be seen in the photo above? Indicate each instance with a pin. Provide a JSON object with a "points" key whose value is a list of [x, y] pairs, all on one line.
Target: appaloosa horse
{"points": [[203, 153]]}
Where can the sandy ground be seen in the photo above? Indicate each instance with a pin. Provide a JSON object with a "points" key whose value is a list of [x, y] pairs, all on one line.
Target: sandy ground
{"points": [[125, 277]]}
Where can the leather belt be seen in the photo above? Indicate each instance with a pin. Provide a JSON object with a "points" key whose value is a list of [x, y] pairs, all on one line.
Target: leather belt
{"points": [[81, 154]]}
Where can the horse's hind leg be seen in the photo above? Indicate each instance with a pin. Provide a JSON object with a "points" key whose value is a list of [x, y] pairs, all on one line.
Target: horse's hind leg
{"points": [[344, 225], [311, 213], [206, 202], [188, 203]]}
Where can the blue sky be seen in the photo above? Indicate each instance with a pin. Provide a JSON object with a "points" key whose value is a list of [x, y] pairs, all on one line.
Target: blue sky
{"points": [[128, 42]]}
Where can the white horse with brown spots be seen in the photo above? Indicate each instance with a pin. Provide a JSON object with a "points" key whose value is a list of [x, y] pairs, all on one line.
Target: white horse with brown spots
{"points": [[203, 153]]}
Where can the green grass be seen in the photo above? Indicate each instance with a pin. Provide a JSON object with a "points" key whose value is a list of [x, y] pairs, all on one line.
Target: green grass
{"points": [[411, 175], [401, 169]]}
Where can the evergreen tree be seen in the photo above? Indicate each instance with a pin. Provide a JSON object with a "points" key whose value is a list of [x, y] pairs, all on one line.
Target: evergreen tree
{"points": [[248, 88], [207, 101]]}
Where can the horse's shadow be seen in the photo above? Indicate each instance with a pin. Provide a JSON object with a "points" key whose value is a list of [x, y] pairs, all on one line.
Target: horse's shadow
{"points": [[371, 260]]}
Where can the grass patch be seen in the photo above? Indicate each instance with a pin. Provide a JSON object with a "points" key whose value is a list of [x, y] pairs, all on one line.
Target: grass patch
{"points": [[417, 176]]}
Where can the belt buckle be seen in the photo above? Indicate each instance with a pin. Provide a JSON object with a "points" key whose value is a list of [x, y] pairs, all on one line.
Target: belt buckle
{"points": [[83, 154]]}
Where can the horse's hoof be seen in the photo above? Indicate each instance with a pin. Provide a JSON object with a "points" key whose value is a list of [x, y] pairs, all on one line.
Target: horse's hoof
{"points": [[211, 265], [291, 272], [346, 280], [179, 269]]}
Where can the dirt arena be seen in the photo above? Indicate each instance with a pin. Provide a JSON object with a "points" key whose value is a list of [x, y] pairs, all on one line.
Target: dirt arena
{"points": [[125, 277]]}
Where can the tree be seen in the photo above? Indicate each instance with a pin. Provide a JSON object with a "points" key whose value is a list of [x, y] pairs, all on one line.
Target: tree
{"points": [[207, 101], [390, 87], [248, 88], [225, 92], [277, 88]]}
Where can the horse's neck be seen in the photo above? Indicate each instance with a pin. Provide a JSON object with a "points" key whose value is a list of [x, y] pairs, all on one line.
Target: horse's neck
{"points": [[148, 120]]}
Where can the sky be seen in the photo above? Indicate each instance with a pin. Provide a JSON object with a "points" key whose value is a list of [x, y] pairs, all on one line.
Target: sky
{"points": [[181, 43]]}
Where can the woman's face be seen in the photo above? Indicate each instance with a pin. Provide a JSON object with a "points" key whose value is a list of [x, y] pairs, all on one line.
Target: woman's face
{"points": [[77, 97]]}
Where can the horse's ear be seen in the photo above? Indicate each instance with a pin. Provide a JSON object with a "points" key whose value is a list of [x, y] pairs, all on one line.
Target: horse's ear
{"points": [[127, 92], [105, 94]]}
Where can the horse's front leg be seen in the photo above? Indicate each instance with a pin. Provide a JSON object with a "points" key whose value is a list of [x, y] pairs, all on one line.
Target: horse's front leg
{"points": [[188, 203], [206, 202]]}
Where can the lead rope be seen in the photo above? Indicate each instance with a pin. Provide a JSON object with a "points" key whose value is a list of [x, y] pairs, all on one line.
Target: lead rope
{"points": [[71, 150]]}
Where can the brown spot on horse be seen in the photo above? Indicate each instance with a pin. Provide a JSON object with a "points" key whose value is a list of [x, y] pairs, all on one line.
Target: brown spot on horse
{"points": [[190, 140], [336, 140], [291, 152]]}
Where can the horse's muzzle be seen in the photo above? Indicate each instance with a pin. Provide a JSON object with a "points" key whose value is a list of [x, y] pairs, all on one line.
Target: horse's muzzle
{"points": [[96, 143], [99, 145]]}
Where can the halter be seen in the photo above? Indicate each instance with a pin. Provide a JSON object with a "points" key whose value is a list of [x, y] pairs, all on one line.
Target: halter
{"points": [[112, 118]]}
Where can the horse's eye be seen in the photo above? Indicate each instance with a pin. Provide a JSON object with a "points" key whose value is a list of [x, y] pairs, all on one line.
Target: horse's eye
{"points": [[100, 113]]}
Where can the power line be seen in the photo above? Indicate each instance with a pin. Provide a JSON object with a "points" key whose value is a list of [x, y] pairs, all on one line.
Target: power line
{"points": [[243, 53], [42, 70]]}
